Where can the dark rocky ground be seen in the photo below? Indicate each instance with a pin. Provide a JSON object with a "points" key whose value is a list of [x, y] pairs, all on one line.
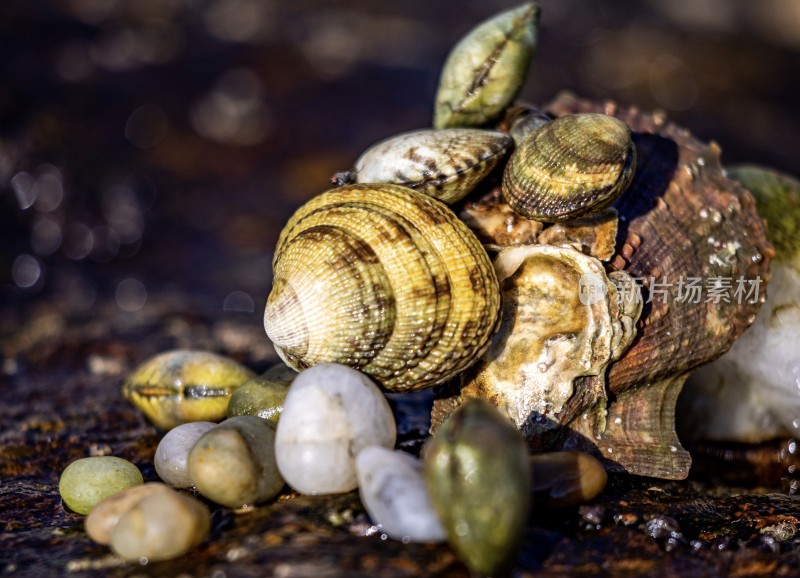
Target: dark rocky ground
{"points": [[150, 151]]}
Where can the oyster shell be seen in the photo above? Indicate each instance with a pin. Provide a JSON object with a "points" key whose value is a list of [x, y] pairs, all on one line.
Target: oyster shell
{"points": [[681, 217]]}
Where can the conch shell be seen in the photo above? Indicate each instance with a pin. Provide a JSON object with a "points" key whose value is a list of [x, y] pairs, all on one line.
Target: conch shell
{"points": [[681, 221]]}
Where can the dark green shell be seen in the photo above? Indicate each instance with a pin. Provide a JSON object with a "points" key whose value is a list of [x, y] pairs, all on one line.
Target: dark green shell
{"points": [[571, 167]]}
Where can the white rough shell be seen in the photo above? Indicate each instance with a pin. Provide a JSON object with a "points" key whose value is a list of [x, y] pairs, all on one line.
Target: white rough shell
{"points": [[750, 394], [172, 453], [330, 414], [446, 163], [392, 489]]}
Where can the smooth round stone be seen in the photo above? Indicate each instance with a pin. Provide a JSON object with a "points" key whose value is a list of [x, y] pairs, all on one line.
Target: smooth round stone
{"points": [[172, 454], [88, 481], [234, 465], [263, 396], [562, 479], [104, 516], [392, 489], [161, 526], [331, 413]]}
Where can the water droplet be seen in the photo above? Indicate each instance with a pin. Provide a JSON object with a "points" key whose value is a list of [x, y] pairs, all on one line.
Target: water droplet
{"points": [[703, 214], [26, 271], [618, 420], [611, 450], [673, 449], [131, 295]]}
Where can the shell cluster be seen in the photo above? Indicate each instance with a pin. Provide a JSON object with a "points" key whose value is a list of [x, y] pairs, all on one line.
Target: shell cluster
{"points": [[529, 307]]}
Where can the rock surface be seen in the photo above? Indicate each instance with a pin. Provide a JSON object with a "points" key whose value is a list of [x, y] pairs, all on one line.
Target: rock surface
{"points": [[56, 407]]}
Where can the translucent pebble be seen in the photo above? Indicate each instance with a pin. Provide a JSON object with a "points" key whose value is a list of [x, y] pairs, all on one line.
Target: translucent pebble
{"points": [[161, 526], [172, 454], [392, 489], [331, 413], [104, 516]]}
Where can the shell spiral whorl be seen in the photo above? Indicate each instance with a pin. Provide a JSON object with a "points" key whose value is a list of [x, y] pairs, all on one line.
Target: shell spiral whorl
{"points": [[569, 168], [386, 280]]}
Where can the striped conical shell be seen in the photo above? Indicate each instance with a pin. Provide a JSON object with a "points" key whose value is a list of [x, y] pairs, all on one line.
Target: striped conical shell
{"points": [[386, 280], [571, 167]]}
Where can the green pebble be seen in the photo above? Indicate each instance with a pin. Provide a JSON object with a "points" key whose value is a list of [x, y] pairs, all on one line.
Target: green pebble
{"points": [[88, 481]]}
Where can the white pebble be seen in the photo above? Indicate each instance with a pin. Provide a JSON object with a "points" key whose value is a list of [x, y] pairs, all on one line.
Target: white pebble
{"points": [[330, 414], [392, 489], [172, 453]]}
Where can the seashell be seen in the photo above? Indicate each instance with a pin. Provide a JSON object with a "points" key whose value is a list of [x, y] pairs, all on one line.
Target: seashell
{"points": [[569, 168], [263, 396], [750, 394], [104, 516], [487, 68], [564, 479], [521, 121], [183, 386], [234, 465], [681, 218], [392, 489], [331, 413], [478, 479], [384, 279], [172, 454], [88, 481], [563, 319], [445, 164], [595, 235], [496, 224], [161, 526]]}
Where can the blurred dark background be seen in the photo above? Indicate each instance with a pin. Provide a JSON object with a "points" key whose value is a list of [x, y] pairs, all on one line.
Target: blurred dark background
{"points": [[156, 147]]}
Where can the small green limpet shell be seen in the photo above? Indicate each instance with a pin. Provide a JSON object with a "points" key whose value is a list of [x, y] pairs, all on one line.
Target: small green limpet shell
{"points": [[263, 396], [487, 68], [88, 481], [182, 386], [478, 477]]}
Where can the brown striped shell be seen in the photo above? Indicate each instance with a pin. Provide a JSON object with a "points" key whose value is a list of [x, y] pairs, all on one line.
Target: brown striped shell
{"points": [[446, 163], [571, 167], [386, 280]]}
